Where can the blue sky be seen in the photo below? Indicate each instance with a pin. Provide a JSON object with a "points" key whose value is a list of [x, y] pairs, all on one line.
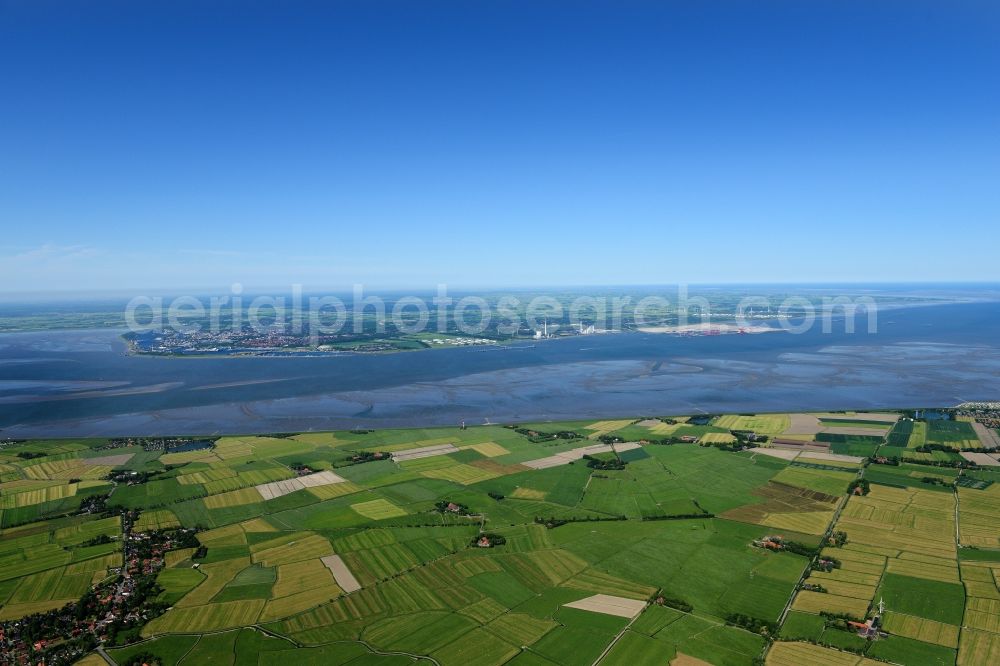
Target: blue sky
{"points": [[167, 145]]}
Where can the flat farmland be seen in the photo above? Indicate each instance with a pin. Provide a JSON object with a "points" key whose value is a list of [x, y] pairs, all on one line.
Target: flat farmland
{"points": [[805, 654], [978, 511], [717, 438], [956, 434], [708, 563], [460, 473], [217, 576], [691, 640], [922, 629], [853, 584], [488, 449], [48, 564], [978, 647], [980, 638], [233, 498], [38, 495], [788, 507], [294, 548], [478, 645], [315, 539], [767, 424], [900, 520], [208, 617], [828, 481], [378, 509], [420, 632], [900, 549], [332, 491], [928, 613], [603, 427], [160, 519], [380, 562]]}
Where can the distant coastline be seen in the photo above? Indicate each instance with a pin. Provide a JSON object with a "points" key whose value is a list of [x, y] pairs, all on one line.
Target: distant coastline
{"points": [[940, 355]]}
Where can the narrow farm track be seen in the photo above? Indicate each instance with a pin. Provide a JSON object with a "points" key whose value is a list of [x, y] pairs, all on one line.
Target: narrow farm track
{"points": [[618, 637], [415, 657]]}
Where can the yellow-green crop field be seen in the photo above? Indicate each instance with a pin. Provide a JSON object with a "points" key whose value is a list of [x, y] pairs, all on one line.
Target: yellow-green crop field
{"points": [[233, 498], [38, 495], [978, 647], [604, 427], [158, 519], [922, 629], [806, 654], [334, 490], [208, 617], [978, 522], [303, 547], [717, 438], [461, 473], [488, 449], [766, 424], [378, 509]]}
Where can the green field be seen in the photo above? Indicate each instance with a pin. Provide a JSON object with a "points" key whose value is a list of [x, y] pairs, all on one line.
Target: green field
{"points": [[956, 434], [677, 521]]}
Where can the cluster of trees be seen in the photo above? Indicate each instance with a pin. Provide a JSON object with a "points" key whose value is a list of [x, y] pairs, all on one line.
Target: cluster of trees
{"points": [[672, 602], [665, 441], [680, 516], [553, 522], [367, 456], [493, 539], [126, 476], [826, 564], [800, 548], [754, 624], [837, 539], [614, 463], [733, 448], [495, 495], [859, 483], [934, 481], [838, 620], [930, 448], [96, 541], [536, 436], [95, 504], [956, 464], [30, 455], [748, 436]]}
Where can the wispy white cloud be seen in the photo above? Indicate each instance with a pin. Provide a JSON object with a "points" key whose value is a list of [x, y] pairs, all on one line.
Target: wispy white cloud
{"points": [[50, 253]]}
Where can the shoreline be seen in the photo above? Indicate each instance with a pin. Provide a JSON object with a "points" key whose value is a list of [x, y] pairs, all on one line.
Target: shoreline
{"points": [[708, 328], [54, 430]]}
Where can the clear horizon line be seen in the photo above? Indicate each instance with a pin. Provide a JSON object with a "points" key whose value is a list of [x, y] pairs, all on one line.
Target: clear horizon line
{"points": [[458, 288]]}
